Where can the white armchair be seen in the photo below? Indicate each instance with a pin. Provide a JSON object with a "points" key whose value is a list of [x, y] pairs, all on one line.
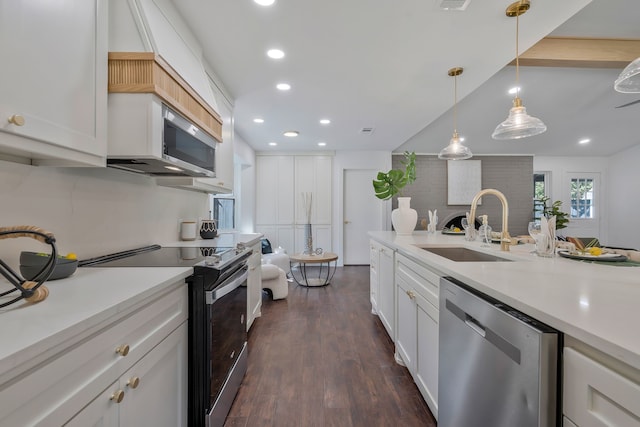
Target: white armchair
{"points": [[275, 268]]}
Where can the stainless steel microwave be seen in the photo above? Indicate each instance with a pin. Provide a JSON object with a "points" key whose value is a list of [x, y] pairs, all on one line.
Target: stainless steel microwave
{"points": [[146, 136]]}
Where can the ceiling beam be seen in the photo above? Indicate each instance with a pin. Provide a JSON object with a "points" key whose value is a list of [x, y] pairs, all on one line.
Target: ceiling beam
{"points": [[581, 53]]}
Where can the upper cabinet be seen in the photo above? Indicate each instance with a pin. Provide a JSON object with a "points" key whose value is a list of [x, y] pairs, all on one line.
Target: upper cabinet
{"points": [[53, 102]]}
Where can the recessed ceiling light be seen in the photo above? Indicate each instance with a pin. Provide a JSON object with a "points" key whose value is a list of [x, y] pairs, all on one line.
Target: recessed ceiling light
{"points": [[322, 144], [258, 120], [291, 133], [325, 121], [273, 144], [275, 53], [283, 86], [514, 90], [584, 141], [264, 2]]}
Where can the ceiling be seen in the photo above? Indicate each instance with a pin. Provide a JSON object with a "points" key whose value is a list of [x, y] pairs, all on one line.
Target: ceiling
{"points": [[385, 67]]}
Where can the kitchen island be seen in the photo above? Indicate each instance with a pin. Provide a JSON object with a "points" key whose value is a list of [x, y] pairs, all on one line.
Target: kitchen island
{"points": [[594, 305]]}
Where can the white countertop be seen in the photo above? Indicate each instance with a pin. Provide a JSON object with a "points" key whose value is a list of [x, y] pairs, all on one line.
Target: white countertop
{"points": [[594, 303], [29, 333]]}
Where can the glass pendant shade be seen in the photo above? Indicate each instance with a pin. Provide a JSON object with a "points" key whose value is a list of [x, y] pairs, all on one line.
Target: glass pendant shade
{"points": [[456, 150], [518, 124], [629, 79]]}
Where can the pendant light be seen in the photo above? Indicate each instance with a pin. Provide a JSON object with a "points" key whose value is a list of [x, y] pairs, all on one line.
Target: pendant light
{"points": [[518, 124], [456, 150], [629, 79]]}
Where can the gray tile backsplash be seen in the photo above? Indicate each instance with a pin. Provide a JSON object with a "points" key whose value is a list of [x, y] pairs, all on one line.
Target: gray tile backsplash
{"points": [[512, 175]]}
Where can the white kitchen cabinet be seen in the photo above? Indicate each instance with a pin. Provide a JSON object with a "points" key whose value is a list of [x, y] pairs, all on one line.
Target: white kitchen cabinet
{"points": [[313, 176], [134, 342], [386, 296], [374, 283], [596, 395], [153, 392], [281, 181], [53, 109], [417, 293], [274, 190], [254, 284]]}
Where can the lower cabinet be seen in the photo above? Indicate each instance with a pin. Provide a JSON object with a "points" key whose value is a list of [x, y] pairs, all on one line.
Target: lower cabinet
{"points": [[254, 285], [138, 357], [417, 325], [595, 395], [382, 289], [153, 392]]}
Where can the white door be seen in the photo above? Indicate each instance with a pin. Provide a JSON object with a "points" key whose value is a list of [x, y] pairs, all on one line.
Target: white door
{"points": [[362, 213]]}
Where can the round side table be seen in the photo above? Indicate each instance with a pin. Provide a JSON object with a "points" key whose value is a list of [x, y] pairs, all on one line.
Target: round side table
{"points": [[304, 274]]}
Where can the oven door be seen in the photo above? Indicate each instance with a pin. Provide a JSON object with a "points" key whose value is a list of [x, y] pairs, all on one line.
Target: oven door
{"points": [[227, 308]]}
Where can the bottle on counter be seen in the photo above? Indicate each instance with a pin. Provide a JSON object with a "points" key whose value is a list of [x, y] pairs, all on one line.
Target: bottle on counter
{"points": [[485, 231]]}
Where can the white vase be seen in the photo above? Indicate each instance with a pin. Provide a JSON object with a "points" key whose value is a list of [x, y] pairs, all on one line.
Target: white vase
{"points": [[404, 218]]}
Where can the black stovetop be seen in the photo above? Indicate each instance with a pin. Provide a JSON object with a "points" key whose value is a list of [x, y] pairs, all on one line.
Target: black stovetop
{"points": [[157, 256]]}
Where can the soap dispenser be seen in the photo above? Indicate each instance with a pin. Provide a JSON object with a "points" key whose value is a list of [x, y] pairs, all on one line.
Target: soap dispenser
{"points": [[485, 230]]}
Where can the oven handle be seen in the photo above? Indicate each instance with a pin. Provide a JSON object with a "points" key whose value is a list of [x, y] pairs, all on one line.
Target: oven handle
{"points": [[232, 283]]}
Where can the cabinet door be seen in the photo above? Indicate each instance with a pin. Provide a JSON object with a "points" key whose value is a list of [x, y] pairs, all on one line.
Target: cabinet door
{"points": [[426, 376], [596, 396], [386, 300], [254, 285], [274, 190], [374, 255], [156, 387], [323, 190], [313, 176], [224, 150], [406, 332], [103, 411], [54, 74]]}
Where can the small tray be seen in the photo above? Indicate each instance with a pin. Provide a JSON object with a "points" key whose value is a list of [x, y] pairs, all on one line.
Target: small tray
{"points": [[453, 233], [588, 257]]}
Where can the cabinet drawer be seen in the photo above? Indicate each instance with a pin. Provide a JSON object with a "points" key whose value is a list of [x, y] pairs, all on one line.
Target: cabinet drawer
{"points": [[596, 396], [423, 280], [53, 392]]}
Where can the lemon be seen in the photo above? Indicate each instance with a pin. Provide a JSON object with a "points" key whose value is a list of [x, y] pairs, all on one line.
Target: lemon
{"points": [[595, 251], [456, 229], [71, 255]]}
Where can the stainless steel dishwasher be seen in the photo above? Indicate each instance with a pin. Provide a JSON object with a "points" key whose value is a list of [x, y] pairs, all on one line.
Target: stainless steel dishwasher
{"points": [[497, 366]]}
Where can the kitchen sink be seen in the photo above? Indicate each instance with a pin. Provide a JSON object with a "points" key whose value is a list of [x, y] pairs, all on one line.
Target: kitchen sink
{"points": [[460, 254]]}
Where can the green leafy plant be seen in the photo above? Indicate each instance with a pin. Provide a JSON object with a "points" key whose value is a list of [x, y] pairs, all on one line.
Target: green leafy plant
{"points": [[562, 218], [386, 185]]}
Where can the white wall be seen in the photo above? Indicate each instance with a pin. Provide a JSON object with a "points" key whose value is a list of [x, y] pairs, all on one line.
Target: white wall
{"points": [[559, 167], [623, 198], [379, 160], [91, 211]]}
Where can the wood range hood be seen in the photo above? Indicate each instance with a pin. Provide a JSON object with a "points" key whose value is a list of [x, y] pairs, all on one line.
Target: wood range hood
{"points": [[148, 72]]}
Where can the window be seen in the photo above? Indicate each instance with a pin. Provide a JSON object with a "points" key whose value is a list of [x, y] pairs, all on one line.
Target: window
{"points": [[224, 212], [540, 191], [582, 198]]}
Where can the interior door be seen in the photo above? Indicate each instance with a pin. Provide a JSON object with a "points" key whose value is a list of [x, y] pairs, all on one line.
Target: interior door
{"points": [[362, 213]]}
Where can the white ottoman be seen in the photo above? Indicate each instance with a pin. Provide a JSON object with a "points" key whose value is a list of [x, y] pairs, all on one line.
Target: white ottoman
{"points": [[281, 259], [275, 279]]}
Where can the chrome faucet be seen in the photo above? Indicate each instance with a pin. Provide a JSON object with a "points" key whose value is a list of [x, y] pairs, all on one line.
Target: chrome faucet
{"points": [[505, 239]]}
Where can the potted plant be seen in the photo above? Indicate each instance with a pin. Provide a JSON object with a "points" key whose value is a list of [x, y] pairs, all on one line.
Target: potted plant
{"points": [[390, 184], [562, 218]]}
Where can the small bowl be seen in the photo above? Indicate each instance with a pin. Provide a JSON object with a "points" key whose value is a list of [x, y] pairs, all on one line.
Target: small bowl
{"points": [[31, 263]]}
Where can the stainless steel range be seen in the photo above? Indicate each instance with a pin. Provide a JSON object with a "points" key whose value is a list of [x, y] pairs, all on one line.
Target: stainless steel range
{"points": [[217, 320]]}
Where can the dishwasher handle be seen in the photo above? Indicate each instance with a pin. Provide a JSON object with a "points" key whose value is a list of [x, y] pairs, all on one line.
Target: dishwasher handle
{"points": [[475, 325]]}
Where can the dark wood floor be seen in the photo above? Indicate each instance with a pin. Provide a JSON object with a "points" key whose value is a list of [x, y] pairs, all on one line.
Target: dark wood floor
{"points": [[320, 358]]}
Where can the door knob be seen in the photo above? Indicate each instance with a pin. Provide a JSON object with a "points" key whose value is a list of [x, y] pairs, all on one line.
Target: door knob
{"points": [[347, 222], [117, 396], [123, 350], [133, 382]]}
